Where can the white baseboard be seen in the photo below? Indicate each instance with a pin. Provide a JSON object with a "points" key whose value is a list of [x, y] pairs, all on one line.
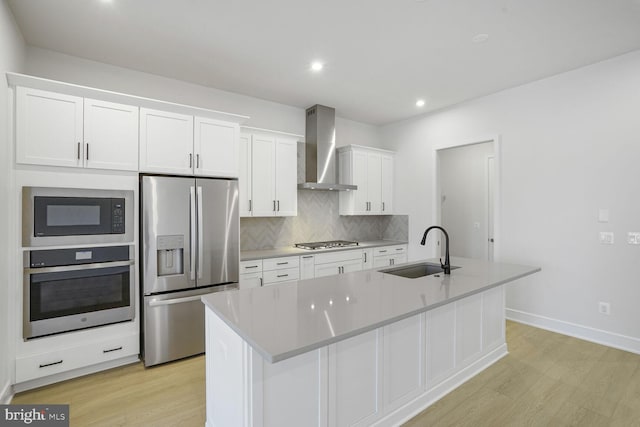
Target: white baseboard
{"points": [[429, 397], [586, 333], [6, 394]]}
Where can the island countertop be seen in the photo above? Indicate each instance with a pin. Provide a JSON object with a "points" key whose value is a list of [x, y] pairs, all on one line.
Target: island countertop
{"points": [[288, 319]]}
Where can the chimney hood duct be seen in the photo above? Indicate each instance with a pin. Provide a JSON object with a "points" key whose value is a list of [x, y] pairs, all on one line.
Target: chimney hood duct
{"points": [[320, 151]]}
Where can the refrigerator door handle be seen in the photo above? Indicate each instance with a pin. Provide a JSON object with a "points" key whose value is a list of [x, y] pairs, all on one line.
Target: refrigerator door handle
{"points": [[192, 243], [200, 233]]}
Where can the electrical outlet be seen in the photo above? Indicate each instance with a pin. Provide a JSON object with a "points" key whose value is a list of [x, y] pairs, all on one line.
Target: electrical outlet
{"points": [[604, 308], [606, 237], [633, 238]]}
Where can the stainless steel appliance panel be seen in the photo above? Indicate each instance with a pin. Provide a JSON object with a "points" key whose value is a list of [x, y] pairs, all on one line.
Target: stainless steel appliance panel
{"points": [[168, 222], [174, 325], [73, 236], [218, 231]]}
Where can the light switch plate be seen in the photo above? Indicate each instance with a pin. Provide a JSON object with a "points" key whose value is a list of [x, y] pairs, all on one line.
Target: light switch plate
{"points": [[606, 237], [633, 238]]}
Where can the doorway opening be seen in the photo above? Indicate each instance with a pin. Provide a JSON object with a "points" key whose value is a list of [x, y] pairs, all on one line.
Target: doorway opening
{"points": [[467, 198]]}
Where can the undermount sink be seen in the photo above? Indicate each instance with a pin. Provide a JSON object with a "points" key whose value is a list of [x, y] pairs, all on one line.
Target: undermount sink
{"points": [[416, 270]]}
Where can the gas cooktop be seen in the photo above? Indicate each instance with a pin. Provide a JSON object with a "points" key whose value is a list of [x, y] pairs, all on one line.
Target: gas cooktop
{"points": [[326, 245]]}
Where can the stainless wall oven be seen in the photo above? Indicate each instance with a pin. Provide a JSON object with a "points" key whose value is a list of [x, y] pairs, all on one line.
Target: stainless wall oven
{"points": [[70, 289], [74, 216]]}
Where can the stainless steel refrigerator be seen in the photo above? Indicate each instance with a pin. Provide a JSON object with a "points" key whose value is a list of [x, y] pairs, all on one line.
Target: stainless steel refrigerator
{"points": [[189, 247]]}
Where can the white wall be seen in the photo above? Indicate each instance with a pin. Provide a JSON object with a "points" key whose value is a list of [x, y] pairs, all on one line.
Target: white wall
{"points": [[264, 114], [463, 191], [12, 51], [570, 144]]}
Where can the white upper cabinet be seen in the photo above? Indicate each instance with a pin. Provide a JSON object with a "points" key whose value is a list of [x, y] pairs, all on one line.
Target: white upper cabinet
{"points": [[55, 129], [268, 175], [166, 142], [110, 135], [244, 179], [183, 145], [371, 170], [48, 128], [216, 148]]}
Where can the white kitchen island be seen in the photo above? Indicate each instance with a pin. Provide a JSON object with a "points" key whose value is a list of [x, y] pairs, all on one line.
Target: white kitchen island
{"points": [[363, 348]]}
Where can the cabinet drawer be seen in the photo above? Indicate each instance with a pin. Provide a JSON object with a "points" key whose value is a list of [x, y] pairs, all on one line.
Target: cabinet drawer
{"points": [[280, 263], [390, 250], [284, 275], [338, 256], [55, 362], [252, 266]]}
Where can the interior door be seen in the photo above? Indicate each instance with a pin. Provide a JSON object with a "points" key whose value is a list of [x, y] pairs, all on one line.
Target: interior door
{"points": [[218, 231], [168, 233]]}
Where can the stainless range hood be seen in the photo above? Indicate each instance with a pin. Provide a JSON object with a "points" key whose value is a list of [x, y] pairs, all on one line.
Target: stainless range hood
{"points": [[320, 151]]}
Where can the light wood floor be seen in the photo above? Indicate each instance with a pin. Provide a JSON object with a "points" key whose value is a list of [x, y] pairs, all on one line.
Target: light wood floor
{"points": [[547, 380]]}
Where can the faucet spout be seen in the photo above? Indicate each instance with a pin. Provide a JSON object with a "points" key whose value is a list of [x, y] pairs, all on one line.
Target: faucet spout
{"points": [[447, 263]]}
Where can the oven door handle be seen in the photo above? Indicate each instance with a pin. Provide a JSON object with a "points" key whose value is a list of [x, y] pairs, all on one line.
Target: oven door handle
{"points": [[158, 303], [78, 267]]}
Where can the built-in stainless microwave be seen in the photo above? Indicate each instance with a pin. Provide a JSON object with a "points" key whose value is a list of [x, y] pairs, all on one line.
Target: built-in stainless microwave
{"points": [[72, 216]]}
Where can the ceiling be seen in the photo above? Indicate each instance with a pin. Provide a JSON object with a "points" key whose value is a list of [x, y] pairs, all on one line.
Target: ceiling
{"points": [[380, 55]]}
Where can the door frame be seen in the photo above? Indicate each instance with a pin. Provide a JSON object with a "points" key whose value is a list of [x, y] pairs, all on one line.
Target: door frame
{"points": [[497, 196]]}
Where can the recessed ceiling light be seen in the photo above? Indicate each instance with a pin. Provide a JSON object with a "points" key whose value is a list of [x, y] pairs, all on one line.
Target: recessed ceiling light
{"points": [[106, 1], [420, 103], [317, 65], [480, 38]]}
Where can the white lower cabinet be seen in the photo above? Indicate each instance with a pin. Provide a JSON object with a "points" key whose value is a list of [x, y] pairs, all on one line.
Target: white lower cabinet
{"points": [[389, 255], [381, 377], [307, 267], [341, 262], [278, 270], [63, 360], [250, 274]]}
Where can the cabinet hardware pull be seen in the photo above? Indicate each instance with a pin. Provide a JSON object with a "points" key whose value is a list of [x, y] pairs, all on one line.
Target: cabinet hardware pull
{"points": [[190, 160], [282, 275], [261, 282], [308, 256], [87, 151], [399, 249], [112, 349], [249, 205], [51, 364], [365, 256], [282, 263], [251, 266], [383, 206], [274, 205], [78, 151], [197, 161], [278, 205], [383, 251]]}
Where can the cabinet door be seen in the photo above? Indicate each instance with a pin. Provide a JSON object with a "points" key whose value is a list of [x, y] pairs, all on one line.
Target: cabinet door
{"points": [[110, 135], [361, 200], [48, 128], [367, 259], [374, 183], [382, 261], [351, 265], [263, 163], [251, 280], [329, 269], [166, 142], [244, 178], [387, 184], [216, 148], [307, 267], [286, 177]]}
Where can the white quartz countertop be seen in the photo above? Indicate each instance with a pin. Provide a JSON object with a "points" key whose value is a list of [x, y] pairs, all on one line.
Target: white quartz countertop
{"points": [[288, 319], [293, 251]]}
